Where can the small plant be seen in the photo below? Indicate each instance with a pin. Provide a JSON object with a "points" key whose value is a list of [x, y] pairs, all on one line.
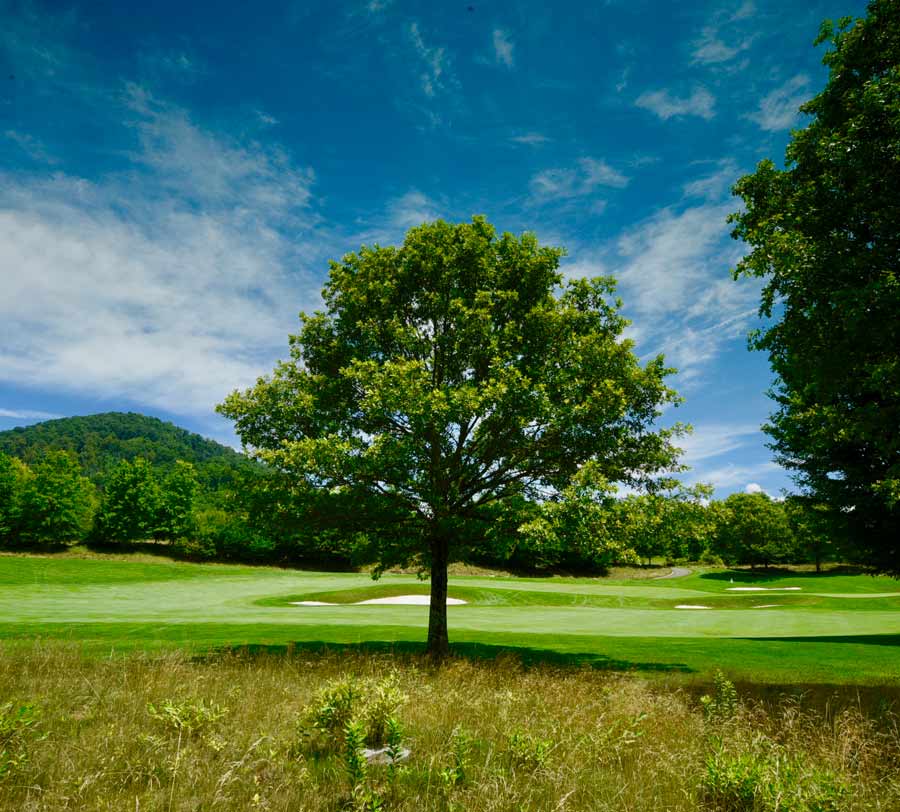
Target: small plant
{"points": [[324, 723], [187, 716], [732, 783], [18, 728], [382, 701], [355, 763], [345, 700], [394, 743], [455, 773], [526, 751], [723, 704]]}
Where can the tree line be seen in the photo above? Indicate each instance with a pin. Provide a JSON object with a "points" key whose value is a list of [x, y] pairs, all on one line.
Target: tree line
{"points": [[587, 530]]}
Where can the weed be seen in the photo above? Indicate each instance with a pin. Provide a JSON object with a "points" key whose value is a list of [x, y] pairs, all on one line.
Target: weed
{"points": [[723, 704], [18, 729], [526, 751], [187, 716], [382, 701], [454, 774]]}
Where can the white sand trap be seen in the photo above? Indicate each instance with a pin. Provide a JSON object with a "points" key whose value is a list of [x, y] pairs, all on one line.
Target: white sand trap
{"points": [[767, 606], [412, 600], [690, 606], [405, 600], [763, 588], [311, 603]]}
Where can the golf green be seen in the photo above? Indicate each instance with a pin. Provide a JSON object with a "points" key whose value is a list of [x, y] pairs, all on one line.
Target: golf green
{"points": [[799, 629]]}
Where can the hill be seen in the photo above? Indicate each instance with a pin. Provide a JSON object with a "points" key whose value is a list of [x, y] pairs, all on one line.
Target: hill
{"points": [[102, 440]]}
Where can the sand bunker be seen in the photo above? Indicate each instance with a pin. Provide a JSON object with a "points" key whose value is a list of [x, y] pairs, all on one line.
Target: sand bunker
{"points": [[763, 588], [405, 600], [690, 606]]}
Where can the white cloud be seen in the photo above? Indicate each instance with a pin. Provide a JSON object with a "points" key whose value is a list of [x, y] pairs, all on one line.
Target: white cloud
{"points": [[666, 105], [753, 487], [531, 139], [714, 185], [711, 440], [731, 475], [778, 110], [552, 184], [432, 59], [672, 270], [412, 209], [667, 257], [169, 285], [503, 48], [31, 146], [27, 414], [710, 48]]}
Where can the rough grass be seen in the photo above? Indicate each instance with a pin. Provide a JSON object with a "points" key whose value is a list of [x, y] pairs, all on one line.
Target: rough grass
{"points": [[484, 736]]}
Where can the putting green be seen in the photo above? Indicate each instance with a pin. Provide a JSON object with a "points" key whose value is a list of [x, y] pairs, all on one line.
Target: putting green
{"points": [[618, 623]]}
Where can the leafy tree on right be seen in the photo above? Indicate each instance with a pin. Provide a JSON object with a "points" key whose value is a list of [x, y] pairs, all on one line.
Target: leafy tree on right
{"points": [[824, 234]]}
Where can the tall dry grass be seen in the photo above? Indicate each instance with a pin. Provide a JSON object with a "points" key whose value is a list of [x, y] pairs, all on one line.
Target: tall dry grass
{"points": [[483, 735]]}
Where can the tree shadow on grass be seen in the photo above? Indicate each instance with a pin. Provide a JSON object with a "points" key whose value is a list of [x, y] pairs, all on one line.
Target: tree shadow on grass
{"points": [[775, 573], [478, 652], [861, 639]]}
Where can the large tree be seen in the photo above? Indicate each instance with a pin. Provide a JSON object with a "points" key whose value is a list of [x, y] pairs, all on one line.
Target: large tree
{"points": [[446, 381], [824, 234]]}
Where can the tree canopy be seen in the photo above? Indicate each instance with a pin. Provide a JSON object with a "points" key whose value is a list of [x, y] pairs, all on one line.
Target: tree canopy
{"points": [[446, 380], [824, 234]]}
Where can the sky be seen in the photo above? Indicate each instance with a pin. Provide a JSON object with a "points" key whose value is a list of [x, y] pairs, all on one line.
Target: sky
{"points": [[175, 177]]}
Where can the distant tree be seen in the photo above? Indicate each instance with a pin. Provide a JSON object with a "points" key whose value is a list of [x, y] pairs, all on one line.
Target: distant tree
{"points": [[57, 502], [813, 528], [753, 529], [579, 529], [177, 494], [824, 234], [445, 377], [131, 507], [668, 523], [12, 480]]}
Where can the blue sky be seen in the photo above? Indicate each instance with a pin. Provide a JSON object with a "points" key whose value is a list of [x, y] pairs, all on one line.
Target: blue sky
{"points": [[175, 176]]}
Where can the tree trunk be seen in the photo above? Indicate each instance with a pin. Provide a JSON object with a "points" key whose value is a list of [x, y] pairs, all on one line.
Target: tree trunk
{"points": [[438, 640]]}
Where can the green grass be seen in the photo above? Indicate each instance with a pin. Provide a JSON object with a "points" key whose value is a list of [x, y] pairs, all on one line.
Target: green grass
{"points": [[837, 629]]}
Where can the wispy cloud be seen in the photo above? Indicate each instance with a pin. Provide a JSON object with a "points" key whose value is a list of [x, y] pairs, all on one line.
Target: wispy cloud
{"points": [[432, 61], [554, 184], [725, 37], [412, 209], [33, 147], [715, 184], [667, 105], [732, 475], [531, 139], [503, 48], [711, 440], [673, 276], [27, 414], [167, 285], [778, 110]]}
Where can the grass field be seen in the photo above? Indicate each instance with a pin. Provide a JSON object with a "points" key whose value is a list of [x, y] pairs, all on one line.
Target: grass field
{"points": [[827, 629]]}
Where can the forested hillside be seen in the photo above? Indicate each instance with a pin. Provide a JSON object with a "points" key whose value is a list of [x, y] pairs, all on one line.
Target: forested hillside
{"points": [[101, 441]]}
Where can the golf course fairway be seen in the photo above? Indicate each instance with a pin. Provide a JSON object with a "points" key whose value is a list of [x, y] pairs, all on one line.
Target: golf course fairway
{"points": [[759, 627]]}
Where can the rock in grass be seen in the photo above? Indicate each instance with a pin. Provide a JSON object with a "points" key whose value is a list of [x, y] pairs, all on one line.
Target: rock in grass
{"points": [[383, 756]]}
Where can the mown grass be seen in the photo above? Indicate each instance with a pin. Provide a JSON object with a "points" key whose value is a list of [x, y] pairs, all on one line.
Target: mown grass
{"points": [[833, 631], [484, 735]]}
